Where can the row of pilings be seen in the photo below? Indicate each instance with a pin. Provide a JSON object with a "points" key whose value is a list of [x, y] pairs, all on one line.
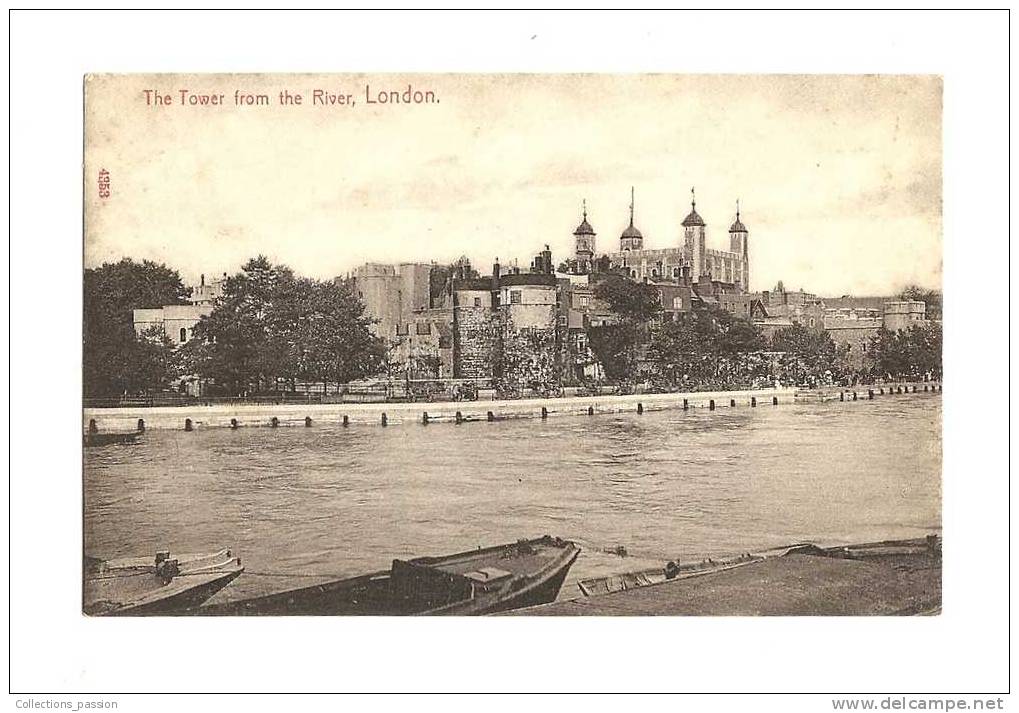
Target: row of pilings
{"points": [[638, 407]]}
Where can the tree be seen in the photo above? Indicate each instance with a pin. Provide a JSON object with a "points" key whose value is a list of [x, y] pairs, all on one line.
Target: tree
{"points": [[808, 344], [931, 298], [706, 346], [115, 360], [634, 302], [271, 326], [333, 341], [913, 353], [807, 354], [616, 345], [612, 345]]}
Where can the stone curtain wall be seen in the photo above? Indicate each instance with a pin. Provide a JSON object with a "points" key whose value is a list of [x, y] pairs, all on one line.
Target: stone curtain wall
{"points": [[476, 336], [530, 356]]}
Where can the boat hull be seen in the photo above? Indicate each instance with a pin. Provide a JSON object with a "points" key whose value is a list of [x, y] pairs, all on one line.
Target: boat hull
{"points": [[136, 586], [93, 440], [376, 594]]}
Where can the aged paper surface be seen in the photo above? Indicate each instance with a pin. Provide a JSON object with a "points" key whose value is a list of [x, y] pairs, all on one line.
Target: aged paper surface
{"points": [[579, 338]]}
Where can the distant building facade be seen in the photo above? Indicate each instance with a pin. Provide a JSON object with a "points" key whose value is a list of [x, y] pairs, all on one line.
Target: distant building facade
{"points": [[852, 328], [177, 322], [691, 257], [774, 310]]}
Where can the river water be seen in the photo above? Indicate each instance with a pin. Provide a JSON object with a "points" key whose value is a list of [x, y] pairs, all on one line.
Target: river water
{"points": [[295, 502]]}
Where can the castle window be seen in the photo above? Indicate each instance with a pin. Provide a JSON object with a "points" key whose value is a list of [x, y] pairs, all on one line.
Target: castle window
{"points": [[477, 301], [675, 272], [585, 301], [514, 297], [633, 274], [424, 328], [183, 335]]}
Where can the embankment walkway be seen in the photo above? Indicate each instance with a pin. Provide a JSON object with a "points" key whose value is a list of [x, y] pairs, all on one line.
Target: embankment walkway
{"points": [[388, 414], [791, 585]]}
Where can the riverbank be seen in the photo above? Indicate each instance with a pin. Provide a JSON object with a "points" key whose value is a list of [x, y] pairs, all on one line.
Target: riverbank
{"points": [[118, 420], [884, 579]]}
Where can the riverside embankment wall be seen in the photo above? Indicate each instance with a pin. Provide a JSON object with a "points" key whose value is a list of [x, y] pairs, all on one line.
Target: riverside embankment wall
{"points": [[248, 415]]}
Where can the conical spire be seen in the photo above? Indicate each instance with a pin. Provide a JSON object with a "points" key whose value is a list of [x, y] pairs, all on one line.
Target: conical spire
{"points": [[631, 206]]}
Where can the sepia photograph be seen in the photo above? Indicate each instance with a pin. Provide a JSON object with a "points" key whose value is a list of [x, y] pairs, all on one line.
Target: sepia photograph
{"points": [[547, 345], [454, 356]]}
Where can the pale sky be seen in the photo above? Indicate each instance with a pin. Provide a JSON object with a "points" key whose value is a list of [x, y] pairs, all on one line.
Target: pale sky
{"points": [[839, 177]]}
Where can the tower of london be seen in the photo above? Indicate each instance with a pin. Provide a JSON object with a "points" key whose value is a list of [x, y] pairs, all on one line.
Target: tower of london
{"points": [[691, 260]]}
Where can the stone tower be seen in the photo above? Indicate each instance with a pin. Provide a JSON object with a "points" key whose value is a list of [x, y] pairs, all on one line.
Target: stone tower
{"points": [[631, 239], [693, 239], [584, 244], [738, 235]]}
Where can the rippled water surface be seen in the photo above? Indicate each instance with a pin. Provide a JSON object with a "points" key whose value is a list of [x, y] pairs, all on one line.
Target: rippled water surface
{"points": [[326, 500]]}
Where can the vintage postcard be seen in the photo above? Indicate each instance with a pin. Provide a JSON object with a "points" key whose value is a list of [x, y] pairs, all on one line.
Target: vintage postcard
{"points": [[525, 344]]}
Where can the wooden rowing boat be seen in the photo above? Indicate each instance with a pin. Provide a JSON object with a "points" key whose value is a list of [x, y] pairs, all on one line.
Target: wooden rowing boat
{"points": [[658, 575], [481, 581], [163, 585], [108, 439]]}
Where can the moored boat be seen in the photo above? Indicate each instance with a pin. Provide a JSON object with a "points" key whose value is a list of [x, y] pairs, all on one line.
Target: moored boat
{"points": [[108, 439], [657, 575], [163, 585], [482, 581]]}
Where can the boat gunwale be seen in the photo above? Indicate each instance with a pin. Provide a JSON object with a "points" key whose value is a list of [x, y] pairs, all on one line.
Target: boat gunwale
{"points": [[563, 561], [568, 555], [158, 595]]}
